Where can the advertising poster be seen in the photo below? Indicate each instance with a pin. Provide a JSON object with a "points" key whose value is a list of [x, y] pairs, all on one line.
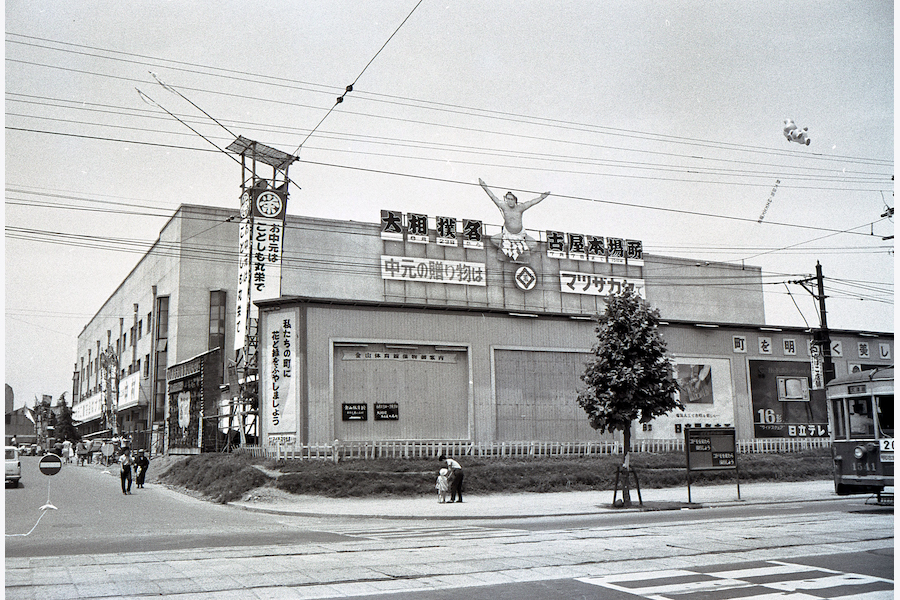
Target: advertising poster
{"points": [[784, 406], [280, 373], [704, 388]]}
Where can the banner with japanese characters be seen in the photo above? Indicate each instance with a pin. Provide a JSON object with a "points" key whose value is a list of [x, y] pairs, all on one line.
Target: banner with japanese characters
{"points": [[572, 282], [242, 295], [429, 270], [260, 246], [279, 391]]}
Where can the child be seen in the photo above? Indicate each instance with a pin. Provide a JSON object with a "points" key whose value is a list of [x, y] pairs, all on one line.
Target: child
{"points": [[442, 485]]}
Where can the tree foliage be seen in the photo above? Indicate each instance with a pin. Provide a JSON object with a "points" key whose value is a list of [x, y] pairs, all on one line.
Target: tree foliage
{"points": [[629, 377], [65, 424]]}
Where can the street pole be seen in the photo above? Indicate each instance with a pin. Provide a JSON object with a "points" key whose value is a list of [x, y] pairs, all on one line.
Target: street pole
{"points": [[821, 337], [823, 320]]}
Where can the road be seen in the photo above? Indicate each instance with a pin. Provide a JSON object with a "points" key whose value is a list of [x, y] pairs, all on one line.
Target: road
{"points": [[103, 544]]}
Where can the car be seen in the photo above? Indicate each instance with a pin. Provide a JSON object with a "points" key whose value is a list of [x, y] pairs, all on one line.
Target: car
{"points": [[13, 466]]}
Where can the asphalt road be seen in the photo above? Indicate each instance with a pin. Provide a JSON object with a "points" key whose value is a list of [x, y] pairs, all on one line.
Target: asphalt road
{"points": [[100, 543], [860, 575], [92, 515]]}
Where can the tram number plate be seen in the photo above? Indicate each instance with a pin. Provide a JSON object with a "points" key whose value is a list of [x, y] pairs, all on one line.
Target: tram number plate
{"points": [[887, 457], [887, 445]]}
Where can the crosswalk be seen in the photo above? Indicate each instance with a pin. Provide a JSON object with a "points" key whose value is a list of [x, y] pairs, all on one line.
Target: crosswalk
{"points": [[769, 580], [418, 532]]}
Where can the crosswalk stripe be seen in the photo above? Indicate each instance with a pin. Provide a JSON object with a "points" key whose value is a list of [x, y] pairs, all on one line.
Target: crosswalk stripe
{"points": [[782, 581]]}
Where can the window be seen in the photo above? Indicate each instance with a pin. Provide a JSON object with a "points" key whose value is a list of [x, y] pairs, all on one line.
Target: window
{"points": [[146, 372], [157, 410], [840, 424], [793, 389], [885, 406], [216, 319], [862, 423], [140, 329]]}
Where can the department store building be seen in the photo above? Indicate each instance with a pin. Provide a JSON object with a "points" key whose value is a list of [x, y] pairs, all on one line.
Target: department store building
{"points": [[419, 327]]}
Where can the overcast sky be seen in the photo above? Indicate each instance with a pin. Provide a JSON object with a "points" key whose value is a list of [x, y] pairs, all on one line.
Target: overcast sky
{"points": [[658, 121]]}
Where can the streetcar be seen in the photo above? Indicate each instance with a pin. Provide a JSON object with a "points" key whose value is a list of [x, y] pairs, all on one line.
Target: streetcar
{"points": [[861, 413]]}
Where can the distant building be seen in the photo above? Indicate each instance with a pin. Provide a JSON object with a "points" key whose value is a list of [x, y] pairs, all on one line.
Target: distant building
{"points": [[17, 422]]}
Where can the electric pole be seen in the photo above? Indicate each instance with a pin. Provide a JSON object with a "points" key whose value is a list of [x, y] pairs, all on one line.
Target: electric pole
{"points": [[821, 337]]}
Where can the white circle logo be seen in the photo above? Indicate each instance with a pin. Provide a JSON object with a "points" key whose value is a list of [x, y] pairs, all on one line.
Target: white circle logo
{"points": [[245, 205], [525, 278], [269, 204]]}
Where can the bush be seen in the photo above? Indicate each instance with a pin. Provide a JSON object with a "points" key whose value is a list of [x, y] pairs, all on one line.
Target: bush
{"points": [[219, 477], [227, 477]]}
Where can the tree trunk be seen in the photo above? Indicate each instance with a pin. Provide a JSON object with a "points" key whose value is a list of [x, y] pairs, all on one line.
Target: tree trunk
{"points": [[626, 442]]}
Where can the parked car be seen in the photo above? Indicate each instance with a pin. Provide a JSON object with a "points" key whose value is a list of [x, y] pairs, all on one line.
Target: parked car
{"points": [[13, 466]]}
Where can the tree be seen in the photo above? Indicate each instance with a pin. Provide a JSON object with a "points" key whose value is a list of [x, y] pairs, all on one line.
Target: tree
{"points": [[65, 424], [629, 377]]}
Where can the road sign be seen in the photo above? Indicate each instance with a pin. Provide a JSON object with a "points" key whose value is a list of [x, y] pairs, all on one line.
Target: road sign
{"points": [[50, 464]]}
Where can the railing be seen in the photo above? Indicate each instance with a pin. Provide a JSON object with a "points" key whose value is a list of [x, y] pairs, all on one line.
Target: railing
{"points": [[433, 449]]}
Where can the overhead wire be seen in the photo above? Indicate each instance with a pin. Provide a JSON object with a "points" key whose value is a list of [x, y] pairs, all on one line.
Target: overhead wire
{"points": [[284, 82], [852, 178], [349, 88]]}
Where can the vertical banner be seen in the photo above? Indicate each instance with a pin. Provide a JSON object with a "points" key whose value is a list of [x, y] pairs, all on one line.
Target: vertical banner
{"points": [[260, 245], [243, 287], [280, 373]]}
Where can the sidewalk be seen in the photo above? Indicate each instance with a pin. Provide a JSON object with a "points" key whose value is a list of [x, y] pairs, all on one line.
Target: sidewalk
{"points": [[499, 506]]}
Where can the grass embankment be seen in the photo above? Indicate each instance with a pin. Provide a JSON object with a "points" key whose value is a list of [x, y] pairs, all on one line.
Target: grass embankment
{"points": [[228, 477]]}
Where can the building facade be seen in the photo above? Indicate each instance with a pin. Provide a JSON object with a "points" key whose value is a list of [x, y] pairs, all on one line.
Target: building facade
{"points": [[172, 306], [412, 329], [416, 327]]}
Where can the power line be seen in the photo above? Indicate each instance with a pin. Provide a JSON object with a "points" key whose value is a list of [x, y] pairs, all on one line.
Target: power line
{"points": [[844, 177], [432, 105], [445, 180], [350, 87]]}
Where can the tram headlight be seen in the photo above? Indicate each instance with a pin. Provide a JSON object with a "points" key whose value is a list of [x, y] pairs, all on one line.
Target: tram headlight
{"points": [[859, 452]]}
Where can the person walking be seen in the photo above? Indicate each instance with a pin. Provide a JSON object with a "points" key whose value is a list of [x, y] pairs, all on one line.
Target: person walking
{"points": [[141, 464], [456, 478], [125, 463], [80, 452]]}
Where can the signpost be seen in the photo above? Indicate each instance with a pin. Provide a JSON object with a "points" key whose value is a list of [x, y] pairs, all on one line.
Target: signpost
{"points": [[49, 465], [711, 449]]}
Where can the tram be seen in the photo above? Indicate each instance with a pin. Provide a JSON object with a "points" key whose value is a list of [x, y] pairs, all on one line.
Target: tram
{"points": [[861, 414]]}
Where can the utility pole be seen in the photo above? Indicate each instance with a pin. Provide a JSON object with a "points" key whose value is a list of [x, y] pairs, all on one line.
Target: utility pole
{"points": [[821, 337]]}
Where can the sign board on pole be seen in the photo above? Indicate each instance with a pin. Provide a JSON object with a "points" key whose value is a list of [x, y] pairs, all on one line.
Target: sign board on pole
{"points": [[710, 449], [50, 464]]}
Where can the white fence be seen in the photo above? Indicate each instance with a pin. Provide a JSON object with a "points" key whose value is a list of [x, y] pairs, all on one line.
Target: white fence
{"points": [[433, 449]]}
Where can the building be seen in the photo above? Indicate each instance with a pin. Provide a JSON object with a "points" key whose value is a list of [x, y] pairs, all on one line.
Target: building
{"points": [[412, 329], [420, 328], [170, 308]]}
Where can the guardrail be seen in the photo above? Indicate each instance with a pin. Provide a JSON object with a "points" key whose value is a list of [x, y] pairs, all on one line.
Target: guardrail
{"points": [[433, 449]]}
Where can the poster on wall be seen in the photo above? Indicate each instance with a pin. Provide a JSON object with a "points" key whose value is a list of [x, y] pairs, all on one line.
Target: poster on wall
{"points": [[705, 391], [694, 384], [784, 406], [280, 377]]}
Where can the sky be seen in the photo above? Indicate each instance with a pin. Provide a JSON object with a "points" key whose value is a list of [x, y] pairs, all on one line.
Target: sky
{"points": [[657, 121]]}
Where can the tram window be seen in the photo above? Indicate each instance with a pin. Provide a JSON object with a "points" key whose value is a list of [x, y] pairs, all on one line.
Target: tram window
{"points": [[840, 423], [885, 406], [862, 423]]}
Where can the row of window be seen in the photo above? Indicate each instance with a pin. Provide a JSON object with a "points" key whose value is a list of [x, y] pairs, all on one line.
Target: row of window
{"points": [[90, 374]]}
